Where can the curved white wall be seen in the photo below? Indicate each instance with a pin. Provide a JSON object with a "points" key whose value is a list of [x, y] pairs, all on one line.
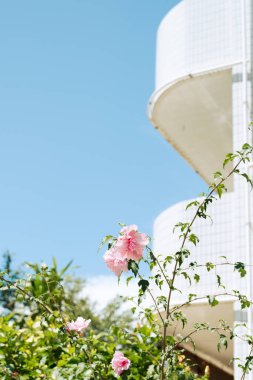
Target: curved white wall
{"points": [[202, 105], [199, 43], [196, 36], [217, 239]]}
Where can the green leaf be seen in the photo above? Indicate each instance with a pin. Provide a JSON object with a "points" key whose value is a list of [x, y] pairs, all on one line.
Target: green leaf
{"points": [[212, 301], [65, 268], [191, 296], [179, 316], [144, 284], [209, 266], [187, 277], [191, 204], [222, 342], [55, 263], [181, 225], [229, 158], [129, 279], [219, 281], [245, 303], [133, 266], [181, 255], [167, 260], [193, 239], [220, 189], [196, 277], [240, 267], [104, 240], [247, 146], [223, 257], [218, 175], [162, 300], [245, 175]]}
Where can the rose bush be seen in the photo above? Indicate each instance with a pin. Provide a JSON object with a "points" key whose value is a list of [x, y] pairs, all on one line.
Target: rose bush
{"points": [[126, 252], [72, 342], [47, 332]]}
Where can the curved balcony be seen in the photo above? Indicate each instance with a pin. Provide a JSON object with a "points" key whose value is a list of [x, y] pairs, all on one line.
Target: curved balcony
{"points": [[197, 45], [217, 239]]}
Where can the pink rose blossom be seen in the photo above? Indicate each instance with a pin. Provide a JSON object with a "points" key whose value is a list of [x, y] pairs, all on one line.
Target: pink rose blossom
{"points": [[115, 262], [79, 325], [131, 243], [120, 363]]}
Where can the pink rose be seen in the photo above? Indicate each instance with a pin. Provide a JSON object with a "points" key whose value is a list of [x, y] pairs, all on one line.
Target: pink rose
{"points": [[115, 262], [120, 363], [79, 325], [131, 243]]}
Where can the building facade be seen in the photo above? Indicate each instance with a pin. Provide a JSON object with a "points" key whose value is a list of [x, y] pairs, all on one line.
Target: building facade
{"points": [[202, 105]]}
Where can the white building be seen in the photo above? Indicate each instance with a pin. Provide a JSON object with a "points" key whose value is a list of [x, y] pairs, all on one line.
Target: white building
{"points": [[202, 105]]}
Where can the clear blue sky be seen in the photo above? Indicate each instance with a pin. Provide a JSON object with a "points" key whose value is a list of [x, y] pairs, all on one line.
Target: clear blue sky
{"points": [[78, 153]]}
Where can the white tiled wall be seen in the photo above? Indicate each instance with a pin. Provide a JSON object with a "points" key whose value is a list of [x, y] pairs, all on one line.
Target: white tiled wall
{"points": [[216, 239], [197, 36]]}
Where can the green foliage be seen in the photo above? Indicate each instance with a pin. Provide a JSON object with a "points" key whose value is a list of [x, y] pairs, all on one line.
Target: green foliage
{"points": [[43, 349], [212, 301], [36, 344], [240, 267], [8, 295], [134, 267]]}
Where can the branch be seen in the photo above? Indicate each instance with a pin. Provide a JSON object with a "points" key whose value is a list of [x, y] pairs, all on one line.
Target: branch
{"points": [[23, 291]]}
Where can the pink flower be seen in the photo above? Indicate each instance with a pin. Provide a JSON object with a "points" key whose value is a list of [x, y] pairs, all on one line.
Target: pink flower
{"points": [[131, 243], [115, 262], [120, 363], [79, 325]]}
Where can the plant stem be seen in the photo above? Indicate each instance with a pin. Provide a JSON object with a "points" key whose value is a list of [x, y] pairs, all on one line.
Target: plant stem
{"points": [[23, 291], [153, 298], [160, 267], [214, 188]]}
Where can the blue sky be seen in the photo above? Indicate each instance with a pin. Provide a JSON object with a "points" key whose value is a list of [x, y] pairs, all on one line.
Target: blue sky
{"points": [[78, 153]]}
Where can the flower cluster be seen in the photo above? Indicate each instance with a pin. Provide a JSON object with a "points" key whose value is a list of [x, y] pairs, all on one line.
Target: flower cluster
{"points": [[120, 363], [78, 326], [129, 245]]}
